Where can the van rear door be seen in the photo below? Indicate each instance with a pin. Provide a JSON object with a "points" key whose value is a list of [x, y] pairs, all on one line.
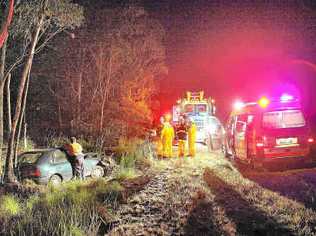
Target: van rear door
{"points": [[285, 134], [240, 139]]}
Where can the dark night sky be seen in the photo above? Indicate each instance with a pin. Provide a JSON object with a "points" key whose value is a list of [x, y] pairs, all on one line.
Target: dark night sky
{"points": [[237, 49]]}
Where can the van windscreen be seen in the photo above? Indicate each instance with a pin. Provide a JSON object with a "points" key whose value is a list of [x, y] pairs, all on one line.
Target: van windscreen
{"points": [[283, 119]]}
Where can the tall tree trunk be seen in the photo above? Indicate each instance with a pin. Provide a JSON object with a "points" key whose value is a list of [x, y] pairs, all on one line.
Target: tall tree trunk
{"points": [[2, 83], [9, 170], [105, 93], [78, 118], [25, 132], [60, 119], [22, 117], [8, 99]]}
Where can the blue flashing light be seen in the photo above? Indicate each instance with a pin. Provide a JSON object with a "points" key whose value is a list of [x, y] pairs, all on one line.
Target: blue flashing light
{"points": [[286, 98]]}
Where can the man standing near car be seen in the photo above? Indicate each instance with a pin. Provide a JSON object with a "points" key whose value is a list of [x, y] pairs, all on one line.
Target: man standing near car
{"points": [[74, 151]]}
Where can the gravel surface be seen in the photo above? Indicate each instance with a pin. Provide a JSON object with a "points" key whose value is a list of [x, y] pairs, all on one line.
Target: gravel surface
{"points": [[208, 195], [163, 207]]}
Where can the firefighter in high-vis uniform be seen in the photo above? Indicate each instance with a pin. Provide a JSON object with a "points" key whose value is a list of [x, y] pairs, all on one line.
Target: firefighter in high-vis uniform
{"points": [[181, 131], [167, 136], [191, 137]]}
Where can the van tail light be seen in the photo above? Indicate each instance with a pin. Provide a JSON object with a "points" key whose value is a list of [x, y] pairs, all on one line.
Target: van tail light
{"points": [[260, 142], [310, 140]]}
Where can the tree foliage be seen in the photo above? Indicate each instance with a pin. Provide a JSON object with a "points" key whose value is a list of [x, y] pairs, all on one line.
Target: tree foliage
{"points": [[36, 22], [103, 79]]}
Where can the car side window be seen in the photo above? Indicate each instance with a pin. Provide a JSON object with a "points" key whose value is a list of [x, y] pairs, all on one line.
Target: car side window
{"points": [[59, 157]]}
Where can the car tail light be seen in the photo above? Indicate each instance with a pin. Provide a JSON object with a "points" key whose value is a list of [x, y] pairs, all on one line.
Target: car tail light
{"points": [[34, 172], [310, 140]]}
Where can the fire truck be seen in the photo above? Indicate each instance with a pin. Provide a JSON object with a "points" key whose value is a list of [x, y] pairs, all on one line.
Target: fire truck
{"points": [[202, 110]]}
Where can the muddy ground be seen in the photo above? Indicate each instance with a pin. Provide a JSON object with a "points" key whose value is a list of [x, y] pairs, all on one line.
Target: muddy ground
{"points": [[208, 195]]}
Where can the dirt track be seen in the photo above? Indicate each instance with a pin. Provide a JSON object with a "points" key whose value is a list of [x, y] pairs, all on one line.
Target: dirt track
{"points": [[209, 196]]}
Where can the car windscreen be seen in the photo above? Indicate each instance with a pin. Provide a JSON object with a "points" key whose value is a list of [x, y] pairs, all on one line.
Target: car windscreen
{"points": [[30, 158], [283, 119]]}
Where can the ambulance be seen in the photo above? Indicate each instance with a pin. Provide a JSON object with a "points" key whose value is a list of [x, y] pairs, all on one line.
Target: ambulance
{"points": [[268, 130]]}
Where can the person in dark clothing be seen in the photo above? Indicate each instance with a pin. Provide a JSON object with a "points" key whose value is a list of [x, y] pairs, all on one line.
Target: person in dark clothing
{"points": [[181, 132]]}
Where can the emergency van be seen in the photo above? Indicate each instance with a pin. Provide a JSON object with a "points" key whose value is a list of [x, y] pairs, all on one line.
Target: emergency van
{"points": [[268, 130]]}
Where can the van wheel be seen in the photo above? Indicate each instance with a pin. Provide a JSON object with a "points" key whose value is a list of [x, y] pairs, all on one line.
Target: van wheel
{"points": [[55, 180]]}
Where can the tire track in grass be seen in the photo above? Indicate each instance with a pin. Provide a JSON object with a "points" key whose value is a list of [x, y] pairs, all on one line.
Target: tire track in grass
{"points": [[173, 203], [147, 213], [298, 185], [267, 212]]}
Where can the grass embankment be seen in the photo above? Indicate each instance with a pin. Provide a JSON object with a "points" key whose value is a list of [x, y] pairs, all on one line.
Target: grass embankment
{"points": [[254, 209], [76, 207]]}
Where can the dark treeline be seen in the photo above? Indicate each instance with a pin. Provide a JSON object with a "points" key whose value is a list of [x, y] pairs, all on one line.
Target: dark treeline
{"points": [[83, 68]]}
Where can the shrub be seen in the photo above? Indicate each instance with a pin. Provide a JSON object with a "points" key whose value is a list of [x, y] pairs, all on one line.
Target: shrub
{"points": [[10, 206], [127, 146], [125, 173], [69, 209], [26, 146]]}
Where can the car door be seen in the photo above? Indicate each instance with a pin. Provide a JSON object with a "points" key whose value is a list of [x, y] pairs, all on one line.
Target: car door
{"points": [[240, 139], [61, 165], [230, 135]]}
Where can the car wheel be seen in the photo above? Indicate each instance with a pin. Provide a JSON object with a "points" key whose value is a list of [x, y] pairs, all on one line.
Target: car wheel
{"points": [[97, 172], [55, 180]]}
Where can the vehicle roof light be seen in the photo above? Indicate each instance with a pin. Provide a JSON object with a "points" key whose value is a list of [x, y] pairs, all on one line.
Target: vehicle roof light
{"points": [[238, 105], [286, 97], [264, 102]]}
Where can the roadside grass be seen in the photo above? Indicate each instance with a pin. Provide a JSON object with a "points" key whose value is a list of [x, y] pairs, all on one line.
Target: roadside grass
{"points": [[243, 200], [74, 208]]}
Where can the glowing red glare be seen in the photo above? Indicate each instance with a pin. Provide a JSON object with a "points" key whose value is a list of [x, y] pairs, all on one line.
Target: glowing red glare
{"points": [[238, 105], [264, 102], [310, 140]]}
